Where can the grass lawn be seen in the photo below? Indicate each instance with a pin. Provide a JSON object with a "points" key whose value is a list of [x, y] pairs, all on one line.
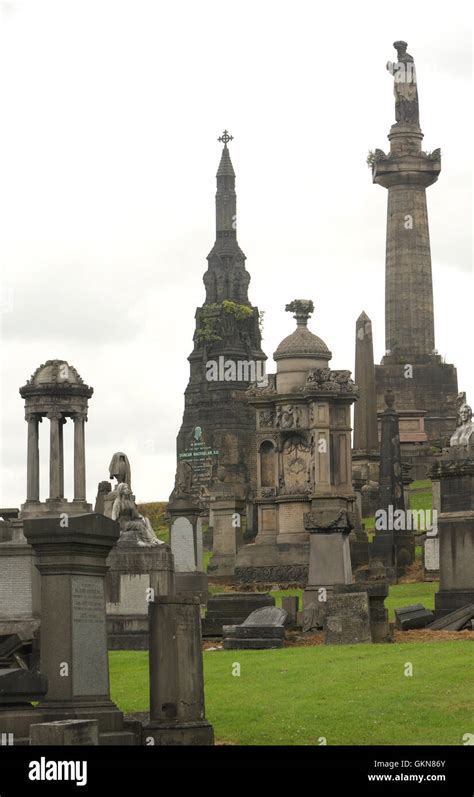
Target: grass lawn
{"points": [[355, 694]]}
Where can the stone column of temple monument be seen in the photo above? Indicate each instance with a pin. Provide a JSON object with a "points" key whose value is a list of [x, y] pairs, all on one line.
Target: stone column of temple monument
{"points": [[55, 455], [32, 462], [79, 459], [427, 390]]}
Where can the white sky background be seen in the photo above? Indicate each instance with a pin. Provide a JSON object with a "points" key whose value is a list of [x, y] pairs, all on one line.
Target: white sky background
{"points": [[109, 115]]}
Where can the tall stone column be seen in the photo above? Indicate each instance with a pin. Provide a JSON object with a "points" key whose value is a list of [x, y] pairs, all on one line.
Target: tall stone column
{"points": [[61, 456], [79, 459], [365, 409], [55, 455], [32, 478]]}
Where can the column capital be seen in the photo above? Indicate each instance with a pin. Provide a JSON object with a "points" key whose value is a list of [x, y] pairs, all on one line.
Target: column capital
{"points": [[79, 416], [33, 416], [55, 416]]}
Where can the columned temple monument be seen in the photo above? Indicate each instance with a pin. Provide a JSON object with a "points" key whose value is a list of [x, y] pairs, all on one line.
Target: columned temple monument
{"points": [[218, 427], [425, 387]]}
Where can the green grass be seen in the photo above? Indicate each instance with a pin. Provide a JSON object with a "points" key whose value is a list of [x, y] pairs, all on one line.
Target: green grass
{"points": [[354, 695]]}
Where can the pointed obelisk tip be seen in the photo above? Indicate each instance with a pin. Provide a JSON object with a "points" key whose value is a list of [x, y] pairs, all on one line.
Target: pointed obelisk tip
{"points": [[363, 317]]}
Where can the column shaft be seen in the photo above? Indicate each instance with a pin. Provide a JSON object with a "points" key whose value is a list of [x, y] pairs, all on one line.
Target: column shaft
{"points": [[79, 460], [32, 478], [55, 457]]}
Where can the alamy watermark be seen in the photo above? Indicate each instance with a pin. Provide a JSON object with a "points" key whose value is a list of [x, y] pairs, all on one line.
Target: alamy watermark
{"points": [[227, 370], [407, 520]]}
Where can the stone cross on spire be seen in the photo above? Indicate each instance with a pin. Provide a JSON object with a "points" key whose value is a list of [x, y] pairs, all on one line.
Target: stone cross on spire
{"points": [[225, 138]]}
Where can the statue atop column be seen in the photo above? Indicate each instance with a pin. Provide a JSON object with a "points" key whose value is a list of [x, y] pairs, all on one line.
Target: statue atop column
{"points": [[404, 86]]}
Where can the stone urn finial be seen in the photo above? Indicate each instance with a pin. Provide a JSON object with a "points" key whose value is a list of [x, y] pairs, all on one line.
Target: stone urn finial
{"points": [[390, 399], [302, 309]]}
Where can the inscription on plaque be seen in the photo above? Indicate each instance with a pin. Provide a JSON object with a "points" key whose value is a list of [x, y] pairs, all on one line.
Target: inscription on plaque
{"points": [[89, 641]]}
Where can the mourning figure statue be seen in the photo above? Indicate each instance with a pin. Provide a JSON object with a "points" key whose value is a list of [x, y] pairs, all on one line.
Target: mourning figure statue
{"points": [[119, 469], [134, 528]]}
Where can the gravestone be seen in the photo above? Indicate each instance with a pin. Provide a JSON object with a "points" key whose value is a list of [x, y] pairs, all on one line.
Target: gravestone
{"points": [[347, 619], [186, 544], [232, 608], [176, 674], [290, 604], [411, 617], [263, 629], [72, 564], [431, 557], [65, 732]]}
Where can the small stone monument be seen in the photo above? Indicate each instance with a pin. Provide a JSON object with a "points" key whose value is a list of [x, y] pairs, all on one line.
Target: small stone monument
{"points": [[138, 558], [455, 473], [72, 562], [262, 630], [185, 511], [227, 512], [347, 619], [176, 674]]}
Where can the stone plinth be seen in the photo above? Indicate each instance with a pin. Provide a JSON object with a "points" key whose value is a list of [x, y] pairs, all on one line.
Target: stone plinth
{"points": [[133, 571], [227, 536], [72, 563], [176, 674], [347, 619], [186, 545], [65, 732]]}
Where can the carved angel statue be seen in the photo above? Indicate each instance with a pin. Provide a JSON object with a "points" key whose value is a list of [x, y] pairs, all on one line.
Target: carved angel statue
{"points": [[134, 528]]}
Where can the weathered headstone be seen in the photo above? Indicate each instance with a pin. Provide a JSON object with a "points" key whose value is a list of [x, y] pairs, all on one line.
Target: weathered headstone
{"points": [[347, 619], [176, 674], [186, 545], [454, 621], [232, 608]]}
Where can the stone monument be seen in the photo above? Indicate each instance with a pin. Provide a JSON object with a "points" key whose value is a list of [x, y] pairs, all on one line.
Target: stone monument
{"points": [[394, 543], [176, 674], [455, 473], [72, 562], [365, 454], [218, 427], [137, 555], [425, 386], [303, 452], [56, 392]]}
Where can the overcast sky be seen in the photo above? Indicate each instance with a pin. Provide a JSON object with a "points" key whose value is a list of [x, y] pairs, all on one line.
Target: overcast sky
{"points": [[109, 115]]}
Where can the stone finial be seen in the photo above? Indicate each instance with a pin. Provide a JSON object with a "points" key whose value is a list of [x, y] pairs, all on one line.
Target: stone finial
{"points": [[302, 309], [390, 399]]}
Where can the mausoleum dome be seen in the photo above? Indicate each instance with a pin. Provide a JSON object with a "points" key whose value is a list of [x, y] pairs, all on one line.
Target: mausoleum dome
{"points": [[54, 372], [302, 343], [300, 352]]}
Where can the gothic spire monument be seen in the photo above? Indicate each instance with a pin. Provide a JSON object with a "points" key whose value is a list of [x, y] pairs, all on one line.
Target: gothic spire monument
{"points": [[425, 386], [218, 427]]}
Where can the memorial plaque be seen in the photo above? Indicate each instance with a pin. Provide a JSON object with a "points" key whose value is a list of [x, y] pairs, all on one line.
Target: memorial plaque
{"points": [[200, 457], [89, 640], [431, 553]]}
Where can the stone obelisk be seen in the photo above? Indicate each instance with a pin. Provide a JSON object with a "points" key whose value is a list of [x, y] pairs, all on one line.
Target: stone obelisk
{"points": [[365, 456], [393, 543], [425, 386]]}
